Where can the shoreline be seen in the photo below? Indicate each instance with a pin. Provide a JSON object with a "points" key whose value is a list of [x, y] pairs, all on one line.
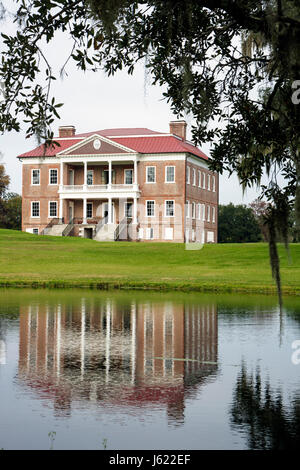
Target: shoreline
{"points": [[106, 285]]}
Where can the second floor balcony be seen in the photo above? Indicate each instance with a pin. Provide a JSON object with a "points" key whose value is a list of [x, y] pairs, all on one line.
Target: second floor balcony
{"points": [[75, 190]]}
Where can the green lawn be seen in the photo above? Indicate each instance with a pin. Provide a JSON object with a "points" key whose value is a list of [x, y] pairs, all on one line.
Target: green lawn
{"points": [[56, 261]]}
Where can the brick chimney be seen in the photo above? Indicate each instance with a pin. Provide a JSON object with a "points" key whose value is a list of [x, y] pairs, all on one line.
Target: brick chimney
{"points": [[178, 128], [66, 131]]}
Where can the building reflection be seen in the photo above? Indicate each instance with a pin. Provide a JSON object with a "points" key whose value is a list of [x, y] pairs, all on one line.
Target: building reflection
{"points": [[133, 355]]}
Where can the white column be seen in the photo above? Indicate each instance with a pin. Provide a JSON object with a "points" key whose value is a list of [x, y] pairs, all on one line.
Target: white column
{"points": [[85, 174], [109, 172], [135, 176], [107, 342], [84, 210], [134, 211], [82, 348], [61, 208], [61, 174], [109, 211]]}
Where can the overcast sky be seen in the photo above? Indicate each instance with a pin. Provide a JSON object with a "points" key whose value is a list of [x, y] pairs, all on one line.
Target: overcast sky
{"points": [[93, 101]]}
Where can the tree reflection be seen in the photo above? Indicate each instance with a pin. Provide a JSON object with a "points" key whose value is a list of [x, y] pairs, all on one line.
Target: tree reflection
{"points": [[259, 411]]}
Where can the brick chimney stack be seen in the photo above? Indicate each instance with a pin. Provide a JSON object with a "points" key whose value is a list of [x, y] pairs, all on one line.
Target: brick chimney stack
{"points": [[66, 131], [178, 128]]}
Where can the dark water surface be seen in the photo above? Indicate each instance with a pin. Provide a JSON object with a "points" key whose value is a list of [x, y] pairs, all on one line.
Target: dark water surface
{"points": [[148, 371]]}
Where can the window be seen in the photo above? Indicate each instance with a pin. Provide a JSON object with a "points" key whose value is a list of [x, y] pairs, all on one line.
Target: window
{"points": [[208, 183], [199, 211], [193, 210], [150, 233], [170, 174], [169, 233], [89, 177], [150, 208], [203, 180], [194, 177], [188, 170], [35, 231], [89, 210], [141, 233], [35, 209], [213, 215], [208, 214], [199, 178], [35, 177], [187, 209], [169, 208], [214, 184], [203, 212], [52, 209], [128, 176], [53, 176], [128, 209], [210, 237], [150, 174]]}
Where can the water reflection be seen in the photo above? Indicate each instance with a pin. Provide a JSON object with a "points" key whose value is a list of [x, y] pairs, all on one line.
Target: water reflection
{"points": [[2, 343], [129, 355], [259, 412]]}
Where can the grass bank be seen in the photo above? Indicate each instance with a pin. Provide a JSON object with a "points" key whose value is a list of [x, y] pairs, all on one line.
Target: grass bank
{"points": [[39, 261]]}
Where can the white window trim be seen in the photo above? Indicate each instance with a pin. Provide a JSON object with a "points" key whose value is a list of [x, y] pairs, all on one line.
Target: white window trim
{"points": [[194, 177], [36, 216], [150, 200], [203, 180], [32, 170], [53, 184], [187, 209], [169, 200], [52, 216], [213, 215], [166, 172], [150, 182], [199, 179], [203, 212], [188, 174], [208, 182], [128, 169], [208, 213], [193, 210], [199, 211], [92, 210], [214, 183]]}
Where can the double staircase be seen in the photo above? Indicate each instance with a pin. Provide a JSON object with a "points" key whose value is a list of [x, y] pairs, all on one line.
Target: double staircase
{"points": [[101, 232]]}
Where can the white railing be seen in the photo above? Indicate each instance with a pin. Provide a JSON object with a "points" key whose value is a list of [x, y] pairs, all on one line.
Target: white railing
{"points": [[98, 188]]}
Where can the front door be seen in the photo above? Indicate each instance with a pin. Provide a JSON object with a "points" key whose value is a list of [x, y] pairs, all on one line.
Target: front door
{"points": [[71, 211], [105, 211], [71, 177]]}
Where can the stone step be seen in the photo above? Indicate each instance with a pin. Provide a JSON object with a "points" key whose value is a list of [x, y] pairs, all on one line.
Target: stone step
{"points": [[55, 230]]}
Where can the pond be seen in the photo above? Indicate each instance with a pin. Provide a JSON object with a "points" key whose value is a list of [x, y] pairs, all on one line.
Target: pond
{"points": [[138, 370]]}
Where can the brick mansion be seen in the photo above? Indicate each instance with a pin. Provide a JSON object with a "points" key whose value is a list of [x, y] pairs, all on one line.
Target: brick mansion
{"points": [[121, 184]]}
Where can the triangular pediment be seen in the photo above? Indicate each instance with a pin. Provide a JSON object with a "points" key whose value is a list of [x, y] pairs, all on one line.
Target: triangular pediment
{"points": [[96, 145]]}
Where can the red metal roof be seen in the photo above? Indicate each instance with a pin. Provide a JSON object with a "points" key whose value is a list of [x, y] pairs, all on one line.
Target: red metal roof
{"points": [[163, 143], [51, 151]]}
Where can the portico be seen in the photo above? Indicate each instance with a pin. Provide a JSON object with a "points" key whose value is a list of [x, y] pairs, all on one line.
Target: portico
{"points": [[80, 178]]}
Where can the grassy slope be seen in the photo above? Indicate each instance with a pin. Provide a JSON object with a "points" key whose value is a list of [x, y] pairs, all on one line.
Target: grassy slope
{"points": [[26, 258]]}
